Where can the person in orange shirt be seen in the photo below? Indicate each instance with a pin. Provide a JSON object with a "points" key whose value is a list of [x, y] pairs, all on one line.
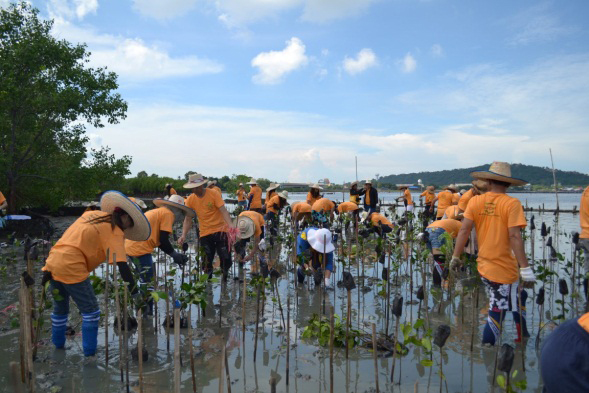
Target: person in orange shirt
{"points": [[3, 202], [406, 198], [354, 193], [498, 219], [273, 207], [584, 237], [452, 213], [323, 209], [270, 192], [479, 187], [169, 190], [314, 194], [301, 211], [456, 197], [212, 184], [370, 197], [444, 199], [351, 209], [249, 223], [161, 219], [429, 195], [255, 196], [436, 239], [379, 223], [213, 223], [241, 197], [95, 237]]}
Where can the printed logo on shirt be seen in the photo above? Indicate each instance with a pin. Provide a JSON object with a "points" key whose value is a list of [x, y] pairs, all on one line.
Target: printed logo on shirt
{"points": [[210, 205], [489, 209]]}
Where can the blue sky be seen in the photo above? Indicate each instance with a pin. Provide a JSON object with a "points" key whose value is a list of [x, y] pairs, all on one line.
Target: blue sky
{"points": [[293, 90]]}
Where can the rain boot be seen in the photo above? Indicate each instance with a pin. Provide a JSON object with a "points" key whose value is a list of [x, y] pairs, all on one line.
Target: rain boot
{"points": [[90, 332], [58, 326]]}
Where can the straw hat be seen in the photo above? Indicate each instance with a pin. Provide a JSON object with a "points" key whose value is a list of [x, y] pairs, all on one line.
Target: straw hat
{"points": [[246, 227], [252, 182], [240, 184], [211, 183], [354, 183], [430, 188], [139, 202], [195, 180], [317, 186], [320, 240], [175, 201], [480, 186], [368, 182], [283, 194], [451, 187], [500, 171], [272, 186], [141, 230]]}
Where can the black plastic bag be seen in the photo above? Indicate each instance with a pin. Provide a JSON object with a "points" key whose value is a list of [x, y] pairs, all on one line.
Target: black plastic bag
{"points": [[563, 287], [385, 274], [420, 293], [543, 231], [549, 242], [348, 281], [532, 223], [397, 306], [540, 297], [317, 277], [505, 358], [441, 335]]}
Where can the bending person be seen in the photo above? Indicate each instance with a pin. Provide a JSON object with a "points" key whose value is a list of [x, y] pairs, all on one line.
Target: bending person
{"points": [[318, 243]]}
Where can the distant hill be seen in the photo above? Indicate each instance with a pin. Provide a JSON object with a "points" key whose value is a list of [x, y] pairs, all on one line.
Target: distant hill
{"points": [[536, 175]]}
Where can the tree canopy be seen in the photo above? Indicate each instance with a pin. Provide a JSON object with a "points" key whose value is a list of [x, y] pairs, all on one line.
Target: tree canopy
{"points": [[48, 94]]}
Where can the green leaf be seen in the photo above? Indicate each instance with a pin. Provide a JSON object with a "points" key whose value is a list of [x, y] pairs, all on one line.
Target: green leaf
{"points": [[419, 323], [514, 374], [427, 344], [426, 362], [501, 381]]}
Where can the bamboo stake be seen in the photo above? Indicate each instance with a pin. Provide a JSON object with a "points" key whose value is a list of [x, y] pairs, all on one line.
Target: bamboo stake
{"points": [[140, 347], [119, 322], [257, 322], [191, 347], [176, 350], [243, 296], [395, 349], [168, 316], [287, 339], [331, 339], [554, 177], [106, 311], [222, 368], [126, 334], [374, 356], [348, 321]]}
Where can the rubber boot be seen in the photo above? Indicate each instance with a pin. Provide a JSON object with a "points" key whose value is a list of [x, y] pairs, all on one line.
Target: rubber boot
{"points": [[58, 326], [90, 332]]}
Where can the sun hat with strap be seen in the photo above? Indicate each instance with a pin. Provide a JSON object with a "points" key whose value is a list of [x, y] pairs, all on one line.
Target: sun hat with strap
{"points": [[141, 230], [177, 202], [500, 171], [195, 180]]}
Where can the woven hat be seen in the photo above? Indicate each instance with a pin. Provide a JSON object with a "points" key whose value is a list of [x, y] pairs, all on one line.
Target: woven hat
{"points": [[139, 202], [283, 194], [430, 188], [320, 240], [252, 181], [141, 230], [246, 227], [195, 180], [451, 187], [317, 186], [272, 186], [500, 171], [354, 183], [211, 183], [175, 201], [480, 186]]}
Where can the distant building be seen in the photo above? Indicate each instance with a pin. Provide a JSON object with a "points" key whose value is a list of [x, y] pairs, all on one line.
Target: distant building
{"points": [[325, 182]]}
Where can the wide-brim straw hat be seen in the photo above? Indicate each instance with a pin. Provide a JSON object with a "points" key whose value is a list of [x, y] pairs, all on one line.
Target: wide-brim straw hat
{"points": [[195, 180], [141, 230], [320, 240], [430, 188], [272, 186], [139, 202], [317, 186], [283, 194], [252, 181], [451, 187], [211, 183], [175, 201], [480, 186], [246, 227], [500, 171]]}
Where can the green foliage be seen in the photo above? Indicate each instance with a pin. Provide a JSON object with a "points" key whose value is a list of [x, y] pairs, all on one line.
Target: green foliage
{"points": [[319, 328], [47, 96], [194, 292]]}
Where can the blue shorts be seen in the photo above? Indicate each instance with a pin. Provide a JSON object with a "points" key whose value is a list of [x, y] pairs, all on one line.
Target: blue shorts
{"points": [[436, 238]]}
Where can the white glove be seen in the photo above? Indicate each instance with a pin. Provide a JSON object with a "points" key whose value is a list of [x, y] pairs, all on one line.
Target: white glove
{"points": [[262, 245], [527, 274], [455, 263]]}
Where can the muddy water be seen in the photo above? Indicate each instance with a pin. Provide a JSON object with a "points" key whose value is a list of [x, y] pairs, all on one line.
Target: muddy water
{"points": [[465, 370]]}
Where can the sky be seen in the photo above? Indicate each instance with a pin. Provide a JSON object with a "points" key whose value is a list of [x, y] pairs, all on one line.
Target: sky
{"points": [[294, 90]]}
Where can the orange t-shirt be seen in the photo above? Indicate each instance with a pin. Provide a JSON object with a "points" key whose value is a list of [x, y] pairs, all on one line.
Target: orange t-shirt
{"points": [[429, 196], [301, 207], [584, 210], [408, 198], [463, 202], [584, 321], [311, 200], [257, 199], [444, 200], [451, 212], [172, 191], [450, 226], [347, 207], [218, 189], [2, 198], [323, 204], [378, 219], [456, 198], [210, 219], [83, 247], [493, 214], [269, 195], [160, 219], [257, 218], [240, 195], [275, 200]]}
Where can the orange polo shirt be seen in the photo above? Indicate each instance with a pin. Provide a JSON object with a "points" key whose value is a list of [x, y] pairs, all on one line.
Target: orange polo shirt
{"points": [[455, 198], [2, 198], [240, 195], [429, 196], [172, 191], [347, 207], [257, 199], [218, 189], [444, 200], [301, 207], [269, 195], [408, 198], [275, 200], [493, 214], [376, 219], [584, 321], [160, 219], [450, 226], [463, 202], [584, 210], [210, 219], [311, 200], [451, 212], [83, 247], [257, 218], [323, 204]]}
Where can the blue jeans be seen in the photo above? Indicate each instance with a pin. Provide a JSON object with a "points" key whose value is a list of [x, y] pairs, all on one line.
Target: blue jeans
{"points": [[369, 209], [242, 204], [145, 265], [82, 293], [435, 238]]}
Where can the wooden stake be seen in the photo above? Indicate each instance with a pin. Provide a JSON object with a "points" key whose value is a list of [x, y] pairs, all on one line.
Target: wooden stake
{"points": [[191, 347], [374, 356], [119, 322], [176, 350], [106, 314], [126, 334], [395, 350], [222, 368], [257, 321], [140, 347], [331, 337], [348, 321], [287, 339]]}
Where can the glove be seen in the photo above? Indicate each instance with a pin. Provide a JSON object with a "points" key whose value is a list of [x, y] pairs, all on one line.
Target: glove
{"points": [[455, 263], [527, 274], [179, 259], [262, 245], [46, 278]]}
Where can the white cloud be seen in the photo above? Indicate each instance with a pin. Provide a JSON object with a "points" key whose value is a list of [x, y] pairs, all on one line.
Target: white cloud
{"points": [[537, 24], [4, 3], [364, 60], [408, 64], [70, 8], [436, 50], [274, 65], [132, 58], [164, 9]]}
